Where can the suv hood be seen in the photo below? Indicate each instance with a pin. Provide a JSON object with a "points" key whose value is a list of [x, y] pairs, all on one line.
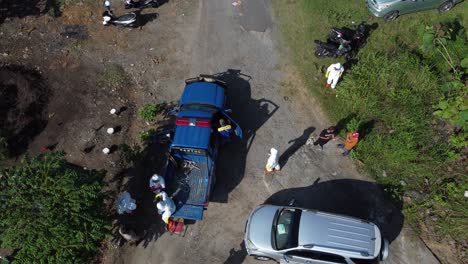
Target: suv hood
{"points": [[259, 227]]}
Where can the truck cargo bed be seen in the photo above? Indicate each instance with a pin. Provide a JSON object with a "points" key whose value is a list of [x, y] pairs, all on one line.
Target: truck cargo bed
{"points": [[191, 182]]}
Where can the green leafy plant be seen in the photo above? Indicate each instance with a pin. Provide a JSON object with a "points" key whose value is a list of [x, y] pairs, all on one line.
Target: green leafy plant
{"points": [[148, 112], [3, 148], [146, 135], [131, 155], [55, 7], [353, 125], [52, 211], [454, 108], [436, 37]]}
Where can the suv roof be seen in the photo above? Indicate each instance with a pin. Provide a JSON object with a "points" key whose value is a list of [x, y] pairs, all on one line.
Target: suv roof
{"points": [[343, 235]]}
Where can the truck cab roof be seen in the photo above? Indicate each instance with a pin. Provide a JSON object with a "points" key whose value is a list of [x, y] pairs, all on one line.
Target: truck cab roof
{"points": [[203, 93], [200, 101]]}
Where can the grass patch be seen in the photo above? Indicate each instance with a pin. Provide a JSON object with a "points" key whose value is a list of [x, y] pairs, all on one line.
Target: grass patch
{"points": [[114, 76], [391, 93]]}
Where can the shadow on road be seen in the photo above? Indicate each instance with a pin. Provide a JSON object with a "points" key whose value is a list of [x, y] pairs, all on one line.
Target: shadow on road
{"points": [[250, 114], [297, 144], [144, 19], [360, 199], [236, 256]]}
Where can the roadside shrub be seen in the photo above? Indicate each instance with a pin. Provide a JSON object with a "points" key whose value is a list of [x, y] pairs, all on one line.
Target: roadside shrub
{"points": [[131, 155], [148, 112], [145, 136], [52, 211], [3, 148]]}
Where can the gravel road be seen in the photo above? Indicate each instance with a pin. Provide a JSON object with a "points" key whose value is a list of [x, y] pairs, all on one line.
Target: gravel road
{"points": [[239, 43]]}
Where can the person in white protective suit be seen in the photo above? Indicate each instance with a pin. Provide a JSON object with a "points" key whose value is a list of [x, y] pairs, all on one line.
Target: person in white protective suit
{"points": [[334, 73], [166, 207], [272, 162], [157, 183]]}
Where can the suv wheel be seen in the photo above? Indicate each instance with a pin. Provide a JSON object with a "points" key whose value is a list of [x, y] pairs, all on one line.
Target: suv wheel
{"points": [[262, 258], [446, 6], [391, 16]]}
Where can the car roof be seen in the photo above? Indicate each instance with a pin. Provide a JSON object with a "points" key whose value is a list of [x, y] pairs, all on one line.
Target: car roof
{"points": [[336, 234]]}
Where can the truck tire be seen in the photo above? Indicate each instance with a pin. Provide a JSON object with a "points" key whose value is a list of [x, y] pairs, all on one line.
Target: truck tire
{"points": [[445, 6], [391, 16]]}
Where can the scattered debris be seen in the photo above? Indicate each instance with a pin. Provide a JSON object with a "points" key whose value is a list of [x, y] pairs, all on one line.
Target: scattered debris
{"points": [[74, 31]]}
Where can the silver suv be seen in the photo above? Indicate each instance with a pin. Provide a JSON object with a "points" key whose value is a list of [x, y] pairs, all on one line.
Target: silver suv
{"points": [[295, 235]]}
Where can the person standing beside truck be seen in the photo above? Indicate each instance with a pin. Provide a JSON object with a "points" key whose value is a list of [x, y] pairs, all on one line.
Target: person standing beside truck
{"points": [[225, 130]]}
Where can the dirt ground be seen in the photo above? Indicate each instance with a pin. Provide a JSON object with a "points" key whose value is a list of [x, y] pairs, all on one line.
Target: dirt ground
{"points": [[178, 40]]}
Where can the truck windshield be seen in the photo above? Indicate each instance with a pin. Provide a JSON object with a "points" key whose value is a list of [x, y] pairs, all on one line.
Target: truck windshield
{"points": [[199, 107], [287, 228]]}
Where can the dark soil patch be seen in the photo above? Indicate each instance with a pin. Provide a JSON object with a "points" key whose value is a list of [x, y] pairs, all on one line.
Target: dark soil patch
{"points": [[23, 111]]}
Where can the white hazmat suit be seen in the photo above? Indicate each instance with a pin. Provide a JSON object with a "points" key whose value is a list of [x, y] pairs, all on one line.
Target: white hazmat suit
{"points": [[272, 162], [334, 72], [166, 206], [157, 183]]}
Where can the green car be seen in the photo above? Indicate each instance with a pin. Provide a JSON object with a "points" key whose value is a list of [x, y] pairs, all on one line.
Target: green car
{"points": [[391, 9]]}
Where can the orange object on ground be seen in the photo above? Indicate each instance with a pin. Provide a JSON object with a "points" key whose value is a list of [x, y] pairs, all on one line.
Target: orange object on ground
{"points": [[175, 226], [350, 141]]}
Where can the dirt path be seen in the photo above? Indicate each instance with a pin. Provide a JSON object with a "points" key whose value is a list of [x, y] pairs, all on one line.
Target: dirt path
{"points": [[273, 109]]}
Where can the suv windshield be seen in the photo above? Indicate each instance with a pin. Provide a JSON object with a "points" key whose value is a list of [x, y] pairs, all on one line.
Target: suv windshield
{"points": [[199, 107], [286, 228]]}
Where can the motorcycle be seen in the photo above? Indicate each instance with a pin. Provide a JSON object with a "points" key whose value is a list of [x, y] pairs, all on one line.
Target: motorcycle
{"points": [[342, 42], [356, 37], [331, 49], [127, 20], [141, 4]]}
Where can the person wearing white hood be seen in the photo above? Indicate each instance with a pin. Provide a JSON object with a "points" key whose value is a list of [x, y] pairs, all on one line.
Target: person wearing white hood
{"points": [[157, 183], [166, 207], [334, 73], [272, 162]]}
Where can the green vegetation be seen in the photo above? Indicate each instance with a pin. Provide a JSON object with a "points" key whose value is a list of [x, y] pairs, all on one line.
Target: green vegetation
{"points": [[148, 112], [131, 155], [146, 135], [56, 7], [3, 148], [52, 211], [114, 76], [407, 96]]}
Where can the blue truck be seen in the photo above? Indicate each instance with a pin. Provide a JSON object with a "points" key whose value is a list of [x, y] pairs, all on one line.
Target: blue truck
{"points": [[191, 164]]}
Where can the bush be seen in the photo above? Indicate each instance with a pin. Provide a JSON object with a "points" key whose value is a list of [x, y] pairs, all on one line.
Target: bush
{"points": [[145, 136], [149, 112], [3, 148], [52, 211]]}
